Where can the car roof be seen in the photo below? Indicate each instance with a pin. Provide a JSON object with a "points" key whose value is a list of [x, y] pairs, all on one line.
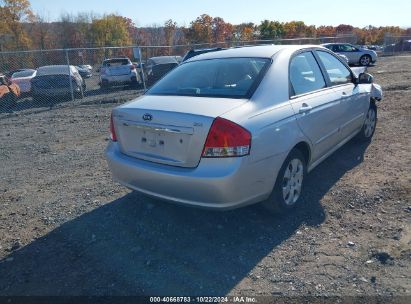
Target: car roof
{"points": [[261, 51], [335, 43], [53, 70], [117, 58]]}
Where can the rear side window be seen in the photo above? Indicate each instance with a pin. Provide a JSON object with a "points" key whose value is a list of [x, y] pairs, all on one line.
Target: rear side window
{"points": [[337, 72], [346, 48], [332, 47], [305, 74]]}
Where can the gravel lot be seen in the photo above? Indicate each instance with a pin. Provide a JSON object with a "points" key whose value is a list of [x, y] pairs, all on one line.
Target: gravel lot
{"points": [[67, 229]]}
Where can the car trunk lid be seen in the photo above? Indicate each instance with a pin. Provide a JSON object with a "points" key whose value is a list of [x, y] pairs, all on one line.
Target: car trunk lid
{"points": [[169, 130]]}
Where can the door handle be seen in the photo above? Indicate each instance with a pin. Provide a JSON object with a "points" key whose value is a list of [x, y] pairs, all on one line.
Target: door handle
{"points": [[305, 108], [343, 93]]}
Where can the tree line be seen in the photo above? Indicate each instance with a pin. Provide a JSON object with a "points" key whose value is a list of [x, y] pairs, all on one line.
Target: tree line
{"points": [[22, 29]]}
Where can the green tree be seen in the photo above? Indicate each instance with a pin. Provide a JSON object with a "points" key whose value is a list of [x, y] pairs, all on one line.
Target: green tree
{"points": [[111, 30], [270, 29]]}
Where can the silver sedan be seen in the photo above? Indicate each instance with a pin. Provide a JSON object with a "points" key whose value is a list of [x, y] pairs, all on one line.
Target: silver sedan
{"points": [[355, 55], [240, 126]]}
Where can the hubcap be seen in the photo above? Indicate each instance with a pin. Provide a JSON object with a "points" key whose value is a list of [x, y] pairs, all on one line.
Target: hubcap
{"points": [[365, 60], [369, 124], [293, 181]]}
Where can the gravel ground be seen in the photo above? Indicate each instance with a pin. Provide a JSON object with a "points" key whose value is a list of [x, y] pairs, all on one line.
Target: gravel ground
{"points": [[67, 229]]}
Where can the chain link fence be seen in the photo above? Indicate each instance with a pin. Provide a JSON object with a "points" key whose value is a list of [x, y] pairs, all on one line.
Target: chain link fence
{"points": [[395, 45], [50, 78]]}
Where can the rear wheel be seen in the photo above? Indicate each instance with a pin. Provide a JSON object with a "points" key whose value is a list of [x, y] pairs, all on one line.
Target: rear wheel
{"points": [[370, 122], [105, 85], [365, 60], [12, 100], [288, 188]]}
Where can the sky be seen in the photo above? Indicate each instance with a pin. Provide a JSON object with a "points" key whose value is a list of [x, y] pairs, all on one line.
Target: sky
{"points": [[358, 13]]}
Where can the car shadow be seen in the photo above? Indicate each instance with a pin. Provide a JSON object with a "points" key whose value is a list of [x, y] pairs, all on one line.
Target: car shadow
{"points": [[136, 245]]}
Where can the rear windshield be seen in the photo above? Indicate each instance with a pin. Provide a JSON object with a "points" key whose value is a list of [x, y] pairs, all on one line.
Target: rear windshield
{"points": [[115, 62], [222, 77], [27, 73]]}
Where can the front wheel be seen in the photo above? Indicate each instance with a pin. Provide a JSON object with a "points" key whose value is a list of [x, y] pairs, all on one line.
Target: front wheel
{"points": [[288, 188], [370, 122]]}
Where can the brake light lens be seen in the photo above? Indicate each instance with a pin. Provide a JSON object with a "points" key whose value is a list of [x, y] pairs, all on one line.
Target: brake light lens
{"points": [[113, 135], [227, 139], [132, 67]]}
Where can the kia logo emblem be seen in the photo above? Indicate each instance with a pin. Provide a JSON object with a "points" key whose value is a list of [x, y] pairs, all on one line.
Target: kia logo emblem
{"points": [[147, 116]]}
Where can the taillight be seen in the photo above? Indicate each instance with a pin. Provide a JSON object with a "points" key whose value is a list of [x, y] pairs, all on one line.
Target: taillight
{"points": [[226, 139], [112, 130], [132, 67]]}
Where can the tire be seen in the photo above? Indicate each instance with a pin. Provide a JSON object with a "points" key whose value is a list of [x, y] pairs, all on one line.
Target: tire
{"points": [[9, 101], [12, 100], [134, 84], [370, 123], [291, 177], [365, 60], [80, 94], [105, 86]]}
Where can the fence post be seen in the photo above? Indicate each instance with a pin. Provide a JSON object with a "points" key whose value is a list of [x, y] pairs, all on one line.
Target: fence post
{"points": [[142, 69], [71, 83]]}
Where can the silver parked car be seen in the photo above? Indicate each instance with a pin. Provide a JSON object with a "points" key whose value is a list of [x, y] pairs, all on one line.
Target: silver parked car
{"points": [[118, 71], [354, 54], [239, 126]]}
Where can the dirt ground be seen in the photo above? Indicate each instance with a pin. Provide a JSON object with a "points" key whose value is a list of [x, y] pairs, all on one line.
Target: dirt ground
{"points": [[67, 229]]}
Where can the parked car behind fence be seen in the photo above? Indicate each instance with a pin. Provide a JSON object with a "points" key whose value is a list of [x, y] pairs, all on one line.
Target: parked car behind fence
{"points": [[355, 55], [119, 71], [23, 80], [157, 67], [57, 80]]}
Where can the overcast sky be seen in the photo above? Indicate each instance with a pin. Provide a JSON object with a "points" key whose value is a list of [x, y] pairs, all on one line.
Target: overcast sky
{"points": [[317, 12]]}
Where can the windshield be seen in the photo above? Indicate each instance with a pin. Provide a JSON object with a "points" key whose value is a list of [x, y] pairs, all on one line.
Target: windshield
{"points": [[27, 73], [116, 62], [223, 77]]}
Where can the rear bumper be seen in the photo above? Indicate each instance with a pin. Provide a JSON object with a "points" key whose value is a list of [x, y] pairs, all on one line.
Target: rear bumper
{"points": [[54, 91], [120, 79], [215, 183]]}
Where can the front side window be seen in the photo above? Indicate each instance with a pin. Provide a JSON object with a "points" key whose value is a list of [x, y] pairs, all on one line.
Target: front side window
{"points": [[337, 72], [222, 77], [347, 48], [305, 74], [332, 47]]}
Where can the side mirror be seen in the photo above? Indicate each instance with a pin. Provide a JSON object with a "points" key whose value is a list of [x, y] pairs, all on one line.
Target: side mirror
{"points": [[365, 78]]}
